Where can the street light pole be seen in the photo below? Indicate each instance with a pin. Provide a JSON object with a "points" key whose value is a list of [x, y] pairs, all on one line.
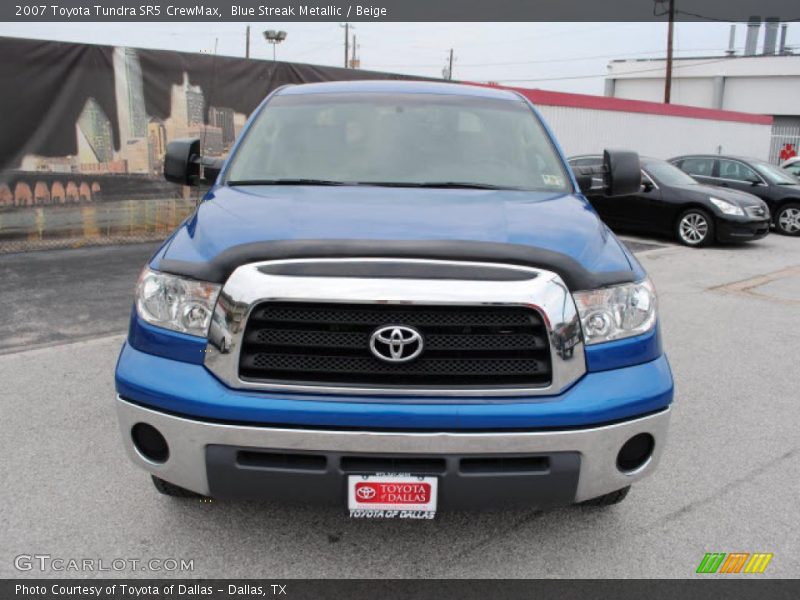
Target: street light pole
{"points": [[274, 37]]}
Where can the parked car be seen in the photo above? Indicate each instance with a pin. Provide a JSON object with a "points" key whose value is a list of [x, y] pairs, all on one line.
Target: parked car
{"points": [[780, 190], [792, 166], [394, 299], [670, 202]]}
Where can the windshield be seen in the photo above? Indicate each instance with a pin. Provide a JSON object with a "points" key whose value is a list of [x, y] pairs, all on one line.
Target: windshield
{"points": [[398, 139], [774, 174], [668, 174]]}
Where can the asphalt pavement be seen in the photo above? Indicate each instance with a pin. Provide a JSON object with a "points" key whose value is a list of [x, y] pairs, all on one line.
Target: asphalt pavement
{"points": [[54, 296], [728, 482]]}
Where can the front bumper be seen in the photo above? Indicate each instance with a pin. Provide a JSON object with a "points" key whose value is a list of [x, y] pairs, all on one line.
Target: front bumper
{"points": [[606, 394], [573, 464], [729, 230]]}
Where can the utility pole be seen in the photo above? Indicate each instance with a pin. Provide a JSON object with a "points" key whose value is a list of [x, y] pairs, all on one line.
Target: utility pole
{"points": [[450, 67], [353, 59], [670, 32], [247, 43], [346, 43]]}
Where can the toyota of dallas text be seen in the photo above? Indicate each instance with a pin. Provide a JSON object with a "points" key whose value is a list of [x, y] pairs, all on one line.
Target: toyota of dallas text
{"points": [[395, 299]]}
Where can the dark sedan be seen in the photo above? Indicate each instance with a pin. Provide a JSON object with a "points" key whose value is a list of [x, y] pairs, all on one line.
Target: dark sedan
{"points": [[671, 202], [779, 189]]}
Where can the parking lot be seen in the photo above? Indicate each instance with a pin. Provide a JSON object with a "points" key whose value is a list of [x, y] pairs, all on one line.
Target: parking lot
{"points": [[729, 480]]}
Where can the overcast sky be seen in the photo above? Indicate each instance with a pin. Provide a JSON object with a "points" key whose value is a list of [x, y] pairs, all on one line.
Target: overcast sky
{"points": [[569, 57]]}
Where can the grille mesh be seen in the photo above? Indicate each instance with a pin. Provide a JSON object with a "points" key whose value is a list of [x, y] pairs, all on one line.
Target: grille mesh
{"points": [[316, 343]]}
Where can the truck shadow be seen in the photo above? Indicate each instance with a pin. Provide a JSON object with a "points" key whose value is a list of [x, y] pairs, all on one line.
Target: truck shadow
{"points": [[305, 541]]}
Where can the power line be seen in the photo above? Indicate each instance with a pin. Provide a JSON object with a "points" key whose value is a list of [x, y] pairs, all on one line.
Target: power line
{"points": [[707, 62], [548, 61]]}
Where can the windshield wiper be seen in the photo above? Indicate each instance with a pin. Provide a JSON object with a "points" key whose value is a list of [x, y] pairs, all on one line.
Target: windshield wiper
{"points": [[287, 182], [438, 184]]}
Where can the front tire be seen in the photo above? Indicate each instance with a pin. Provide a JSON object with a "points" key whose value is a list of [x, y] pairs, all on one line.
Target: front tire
{"points": [[695, 228], [172, 490], [787, 219], [608, 499]]}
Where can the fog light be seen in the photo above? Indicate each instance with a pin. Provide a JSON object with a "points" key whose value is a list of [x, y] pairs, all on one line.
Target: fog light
{"points": [[635, 452], [150, 443]]}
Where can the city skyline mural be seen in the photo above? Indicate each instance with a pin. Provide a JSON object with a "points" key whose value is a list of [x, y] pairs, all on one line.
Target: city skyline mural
{"points": [[81, 160]]}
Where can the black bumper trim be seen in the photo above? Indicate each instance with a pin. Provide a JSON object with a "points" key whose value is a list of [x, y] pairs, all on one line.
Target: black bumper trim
{"points": [[519, 481]]}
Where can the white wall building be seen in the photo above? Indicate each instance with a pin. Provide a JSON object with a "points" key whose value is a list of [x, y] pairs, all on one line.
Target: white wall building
{"points": [[767, 85], [761, 84], [586, 124]]}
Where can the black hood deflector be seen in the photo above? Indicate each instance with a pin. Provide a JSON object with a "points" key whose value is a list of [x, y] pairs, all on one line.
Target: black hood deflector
{"points": [[572, 272]]}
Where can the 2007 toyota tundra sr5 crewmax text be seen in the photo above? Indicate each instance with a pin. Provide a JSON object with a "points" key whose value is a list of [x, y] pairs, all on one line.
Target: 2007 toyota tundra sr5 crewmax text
{"points": [[394, 298]]}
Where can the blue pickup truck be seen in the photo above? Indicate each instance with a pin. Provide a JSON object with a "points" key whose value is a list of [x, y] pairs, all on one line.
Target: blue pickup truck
{"points": [[394, 298]]}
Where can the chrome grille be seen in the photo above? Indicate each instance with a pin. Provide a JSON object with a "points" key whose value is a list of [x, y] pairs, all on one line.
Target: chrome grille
{"points": [[756, 211], [318, 343]]}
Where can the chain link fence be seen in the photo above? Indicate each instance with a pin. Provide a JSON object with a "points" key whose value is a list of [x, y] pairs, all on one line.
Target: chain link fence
{"points": [[85, 223]]}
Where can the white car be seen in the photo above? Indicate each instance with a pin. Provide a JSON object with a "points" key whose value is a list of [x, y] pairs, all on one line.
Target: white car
{"points": [[792, 165]]}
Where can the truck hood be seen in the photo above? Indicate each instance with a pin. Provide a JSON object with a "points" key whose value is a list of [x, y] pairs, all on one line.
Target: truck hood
{"points": [[559, 223]]}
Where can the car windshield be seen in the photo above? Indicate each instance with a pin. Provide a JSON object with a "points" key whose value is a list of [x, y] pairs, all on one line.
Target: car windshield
{"points": [[413, 140], [774, 174], [667, 174]]}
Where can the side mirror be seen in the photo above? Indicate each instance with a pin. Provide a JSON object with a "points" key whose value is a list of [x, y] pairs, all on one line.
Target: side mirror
{"points": [[647, 186], [184, 165], [621, 173]]}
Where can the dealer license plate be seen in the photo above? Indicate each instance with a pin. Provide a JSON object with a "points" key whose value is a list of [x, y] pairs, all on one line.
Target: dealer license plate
{"points": [[391, 496]]}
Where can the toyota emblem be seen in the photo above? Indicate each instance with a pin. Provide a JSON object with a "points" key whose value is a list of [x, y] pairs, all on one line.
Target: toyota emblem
{"points": [[396, 343], [366, 492]]}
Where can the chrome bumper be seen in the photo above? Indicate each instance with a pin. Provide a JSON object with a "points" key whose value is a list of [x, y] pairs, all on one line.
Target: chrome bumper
{"points": [[598, 446]]}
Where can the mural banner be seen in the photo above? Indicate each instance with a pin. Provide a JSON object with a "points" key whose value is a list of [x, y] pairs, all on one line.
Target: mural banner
{"points": [[85, 128]]}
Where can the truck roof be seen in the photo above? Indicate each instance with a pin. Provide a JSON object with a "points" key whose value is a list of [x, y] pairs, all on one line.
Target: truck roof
{"points": [[398, 87]]}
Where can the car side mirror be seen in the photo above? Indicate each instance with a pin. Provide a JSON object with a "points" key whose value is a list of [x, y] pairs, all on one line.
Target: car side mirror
{"points": [[183, 164], [621, 173], [647, 186], [755, 182]]}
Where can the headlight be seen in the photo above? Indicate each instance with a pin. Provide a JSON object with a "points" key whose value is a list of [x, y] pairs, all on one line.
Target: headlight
{"points": [[617, 312], [726, 207], [176, 303]]}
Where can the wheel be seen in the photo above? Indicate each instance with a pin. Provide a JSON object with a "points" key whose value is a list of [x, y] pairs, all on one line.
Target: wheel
{"points": [[608, 499], [787, 219], [170, 489], [695, 228]]}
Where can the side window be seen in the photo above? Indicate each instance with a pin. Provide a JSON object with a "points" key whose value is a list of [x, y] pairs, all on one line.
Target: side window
{"points": [[591, 161], [794, 169], [736, 171], [704, 167], [586, 162]]}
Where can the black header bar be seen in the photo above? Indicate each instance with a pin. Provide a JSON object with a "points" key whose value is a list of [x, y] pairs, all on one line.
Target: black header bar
{"points": [[729, 588], [393, 10]]}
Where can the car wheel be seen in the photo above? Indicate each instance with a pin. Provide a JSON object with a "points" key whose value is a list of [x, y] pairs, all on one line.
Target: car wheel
{"points": [[608, 499], [695, 227], [170, 489], [787, 220]]}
